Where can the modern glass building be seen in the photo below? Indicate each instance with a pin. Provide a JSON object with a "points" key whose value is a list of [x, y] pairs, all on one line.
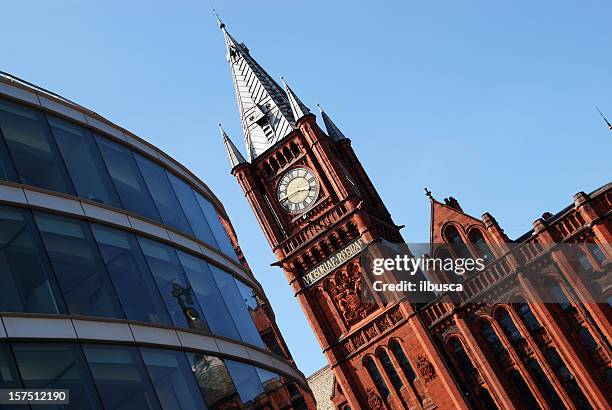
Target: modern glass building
{"points": [[120, 276]]}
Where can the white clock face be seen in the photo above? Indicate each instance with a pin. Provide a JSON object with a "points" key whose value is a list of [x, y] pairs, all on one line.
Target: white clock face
{"points": [[297, 190]]}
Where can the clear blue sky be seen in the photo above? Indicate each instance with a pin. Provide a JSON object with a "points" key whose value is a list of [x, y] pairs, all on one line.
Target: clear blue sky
{"points": [[491, 102]]}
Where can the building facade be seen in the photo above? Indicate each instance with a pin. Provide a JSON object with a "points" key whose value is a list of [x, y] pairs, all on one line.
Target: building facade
{"points": [[121, 278], [319, 210]]}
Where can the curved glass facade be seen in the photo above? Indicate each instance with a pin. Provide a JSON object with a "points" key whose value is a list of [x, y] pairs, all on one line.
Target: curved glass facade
{"points": [[210, 342]]}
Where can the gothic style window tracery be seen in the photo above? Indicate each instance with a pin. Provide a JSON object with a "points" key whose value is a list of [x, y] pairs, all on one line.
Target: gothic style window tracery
{"points": [[385, 361], [376, 377]]}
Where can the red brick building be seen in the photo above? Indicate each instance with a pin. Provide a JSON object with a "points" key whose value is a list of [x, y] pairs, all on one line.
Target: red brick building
{"points": [[318, 210]]}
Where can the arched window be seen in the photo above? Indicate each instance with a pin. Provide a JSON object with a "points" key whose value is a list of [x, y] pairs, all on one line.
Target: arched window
{"points": [[385, 360], [489, 335], [597, 253], [527, 315], [487, 400], [544, 384], [525, 394], [461, 358], [376, 377], [454, 239], [567, 378], [587, 339], [481, 246], [401, 358], [508, 325]]}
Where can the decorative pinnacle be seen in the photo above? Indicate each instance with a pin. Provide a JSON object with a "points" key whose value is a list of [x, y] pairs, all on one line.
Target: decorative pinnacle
{"points": [[298, 108], [234, 156]]}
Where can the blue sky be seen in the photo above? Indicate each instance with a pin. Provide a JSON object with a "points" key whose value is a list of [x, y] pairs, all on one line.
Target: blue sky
{"points": [[491, 102]]}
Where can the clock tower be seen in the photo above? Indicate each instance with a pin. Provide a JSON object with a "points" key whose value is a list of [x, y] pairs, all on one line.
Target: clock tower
{"points": [[318, 210]]}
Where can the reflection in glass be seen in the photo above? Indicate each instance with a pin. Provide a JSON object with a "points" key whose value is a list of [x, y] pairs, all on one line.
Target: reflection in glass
{"points": [[205, 289], [130, 275], [9, 377], [79, 268], [193, 211], [171, 281], [270, 380], [225, 244], [32, 148], [246, 380], [236, 305], [172, 379], [165, 200], [127, 179], [84, 163], [121, 378], [7, 169], [57, 366], [27, 283], [215, 382]]}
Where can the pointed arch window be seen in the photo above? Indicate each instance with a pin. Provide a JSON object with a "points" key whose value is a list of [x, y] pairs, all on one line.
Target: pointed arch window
{"points": [[507, 324], [376, 377], [476, 237], [385, 360], [402, 359], [451, 234], [461, 357], [586, 338]]}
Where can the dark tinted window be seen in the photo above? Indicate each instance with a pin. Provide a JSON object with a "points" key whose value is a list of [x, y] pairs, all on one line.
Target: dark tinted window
{"points": [[376, 377], [270, 380], [27, 283], [508, 325], [490, 337], [172, 379], [400, 356], [32, 148], [7, 169], [80, 271], [9, 377], [192, 209], [127, 179], [165, 199], [215, 382], [216, 226], [236, 305], [385, 360], [525, 311], [121, 378], [84, 163], [175, 290], [246, 380], [130, 275], [57, 366], [207, 293]]}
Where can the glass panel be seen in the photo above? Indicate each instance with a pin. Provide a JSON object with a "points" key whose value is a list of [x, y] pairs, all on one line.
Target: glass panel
{"points": [[165, 200], [567, 378], [80, 271], [400, 356], [127, 179], [376, 377], [597, 253], [525, 394], [236, 305], [385, 360], [130, 275], [7, 169], [27, 283], [559, 296], [121, 378], [269, 380], [544, 383], [32, 148], [57, 366], [172, 379], [489, 335], [527, 315], [508, 325], [207, 293], [215, 382], [225, 244], [192, 210], [171, 281], [9, 377], [84, 163], [246, 380], [461, 357]]}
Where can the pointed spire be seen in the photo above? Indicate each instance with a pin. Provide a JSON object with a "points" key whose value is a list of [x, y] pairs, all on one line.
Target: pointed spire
{"points": [[333, 131], [605, 119], [235, 157], [265, 112], [297, 107]]}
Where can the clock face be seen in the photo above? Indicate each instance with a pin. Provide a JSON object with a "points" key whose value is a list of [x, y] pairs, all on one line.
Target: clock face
{"points": [[297, 190]]}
